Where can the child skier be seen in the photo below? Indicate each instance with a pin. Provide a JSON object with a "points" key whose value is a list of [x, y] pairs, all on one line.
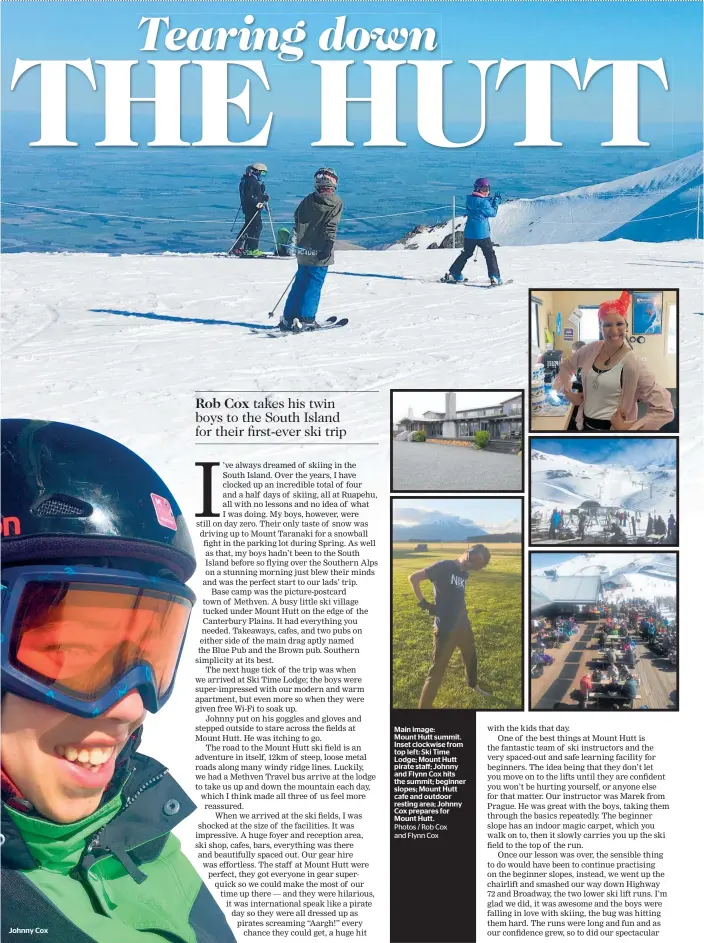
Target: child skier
{"points": [[316, 219], [253, 198], [480, 208], [95, 607]]}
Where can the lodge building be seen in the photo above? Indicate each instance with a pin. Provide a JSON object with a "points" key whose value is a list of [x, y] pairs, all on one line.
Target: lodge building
{"points": [[503, 421]]}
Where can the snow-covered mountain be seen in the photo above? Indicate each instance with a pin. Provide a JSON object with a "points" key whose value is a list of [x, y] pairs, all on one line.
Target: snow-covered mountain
{"points": [[645, 575], [563, 482], [655, 205]]}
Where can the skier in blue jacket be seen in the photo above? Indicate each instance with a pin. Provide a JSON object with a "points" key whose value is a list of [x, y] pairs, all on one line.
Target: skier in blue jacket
{"points": [[480, 208]]}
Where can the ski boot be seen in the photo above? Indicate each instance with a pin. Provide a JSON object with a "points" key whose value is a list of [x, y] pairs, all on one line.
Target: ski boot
{"points": [[452, 278], [285, 325], [306, 325], [253, 254], [495, 280]]}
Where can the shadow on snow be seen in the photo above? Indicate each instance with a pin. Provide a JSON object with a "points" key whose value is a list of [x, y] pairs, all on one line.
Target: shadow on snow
{"points": [[152, 316]]}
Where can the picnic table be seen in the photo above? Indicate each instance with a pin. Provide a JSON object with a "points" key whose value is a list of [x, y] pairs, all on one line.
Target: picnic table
{"points": [[612, 697], [603, 692]]}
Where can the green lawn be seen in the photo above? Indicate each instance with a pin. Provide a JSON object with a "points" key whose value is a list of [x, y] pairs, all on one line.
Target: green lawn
{"points": [[494, 607]]}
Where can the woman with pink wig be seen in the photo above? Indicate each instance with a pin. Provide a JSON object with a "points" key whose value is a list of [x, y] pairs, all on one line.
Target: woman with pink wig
{"points": [[614, 379]]}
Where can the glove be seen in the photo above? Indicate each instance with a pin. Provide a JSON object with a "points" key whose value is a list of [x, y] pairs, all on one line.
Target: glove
{"points": [[497, 198], [326, 251], [260, 206], [266, 198], [427, 606]]}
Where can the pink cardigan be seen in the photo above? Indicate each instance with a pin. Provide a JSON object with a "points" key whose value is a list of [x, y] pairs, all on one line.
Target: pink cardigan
{"points": [[639, 383]]}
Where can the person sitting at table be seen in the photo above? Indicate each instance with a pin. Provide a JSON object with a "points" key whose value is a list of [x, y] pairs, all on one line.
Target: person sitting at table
{"points": [[630, 688], [613, 675], [629, 659], [618, 536], [614, 379], [611, 657]]}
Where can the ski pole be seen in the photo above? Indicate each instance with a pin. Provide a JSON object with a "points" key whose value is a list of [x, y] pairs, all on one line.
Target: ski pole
{"points": [[271, 223], [271, 313], [241, 235], [234, 221]]}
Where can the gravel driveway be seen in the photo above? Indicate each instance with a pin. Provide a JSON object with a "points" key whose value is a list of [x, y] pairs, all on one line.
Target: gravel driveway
{"points": [[423, 466]]}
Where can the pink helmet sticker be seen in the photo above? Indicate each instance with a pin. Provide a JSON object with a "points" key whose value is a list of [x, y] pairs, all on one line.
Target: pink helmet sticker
{"points": [[163, 512]]}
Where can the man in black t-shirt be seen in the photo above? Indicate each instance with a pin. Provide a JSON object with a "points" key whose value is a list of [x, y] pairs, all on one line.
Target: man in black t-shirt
{"points": [[452, 626]]}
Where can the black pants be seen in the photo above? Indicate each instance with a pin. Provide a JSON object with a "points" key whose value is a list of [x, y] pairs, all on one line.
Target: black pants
{"points": [[596, 425], [444, 644], [253, 226], [492, 266]]}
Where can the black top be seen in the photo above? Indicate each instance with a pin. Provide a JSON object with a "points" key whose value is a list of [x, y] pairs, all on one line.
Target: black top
{"points": [[449, 581], [252, 191]]}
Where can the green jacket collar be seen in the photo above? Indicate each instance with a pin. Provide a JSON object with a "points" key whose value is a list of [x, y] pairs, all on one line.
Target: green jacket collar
{"points": [[150, 804], [59, 847]]}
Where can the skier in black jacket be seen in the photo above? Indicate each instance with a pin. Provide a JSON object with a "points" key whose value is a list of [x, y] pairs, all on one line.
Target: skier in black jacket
{"points": [[317, 218], [253, 198]]}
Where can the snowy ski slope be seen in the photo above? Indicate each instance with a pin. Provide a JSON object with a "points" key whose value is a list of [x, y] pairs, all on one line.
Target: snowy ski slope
{"points": [[648, 574], [119, 343], [588, 213], [563, 482]]}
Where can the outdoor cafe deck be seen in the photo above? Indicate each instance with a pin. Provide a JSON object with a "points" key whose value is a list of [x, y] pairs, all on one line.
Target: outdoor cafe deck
{"points": [[581, 655]]}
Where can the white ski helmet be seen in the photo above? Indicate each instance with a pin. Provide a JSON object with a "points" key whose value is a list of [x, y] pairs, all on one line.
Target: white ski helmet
{"points": [[257, 168]]}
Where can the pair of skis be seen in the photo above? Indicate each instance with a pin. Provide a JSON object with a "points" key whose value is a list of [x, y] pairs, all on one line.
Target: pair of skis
{"points": [[468, 284], [321, 326]]}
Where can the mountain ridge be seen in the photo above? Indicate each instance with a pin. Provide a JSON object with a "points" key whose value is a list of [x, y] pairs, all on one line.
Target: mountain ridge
{"points": [[648, 206]]}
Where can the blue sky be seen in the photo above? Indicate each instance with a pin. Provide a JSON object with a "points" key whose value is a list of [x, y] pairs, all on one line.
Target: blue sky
{"points": [[434, 400], [494, 514], [624, 451], [477, 30], [538, 561]]}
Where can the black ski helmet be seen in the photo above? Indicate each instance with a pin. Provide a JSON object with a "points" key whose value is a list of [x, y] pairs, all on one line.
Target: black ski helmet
{"points": [[325, 179], [69, 492]]}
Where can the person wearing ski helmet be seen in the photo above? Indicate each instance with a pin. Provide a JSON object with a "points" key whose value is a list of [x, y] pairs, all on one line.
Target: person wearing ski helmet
{"points": [[316, 220], [253, 199], [95, 559], [477, 232]]}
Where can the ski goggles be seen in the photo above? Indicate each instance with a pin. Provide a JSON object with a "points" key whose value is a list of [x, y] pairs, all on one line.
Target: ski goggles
{"points": [[80, 638]]}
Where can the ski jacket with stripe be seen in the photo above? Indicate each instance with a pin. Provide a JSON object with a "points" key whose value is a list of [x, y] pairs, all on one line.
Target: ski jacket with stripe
{"points": [[479, 210], [117, 876], [317, 217]]}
